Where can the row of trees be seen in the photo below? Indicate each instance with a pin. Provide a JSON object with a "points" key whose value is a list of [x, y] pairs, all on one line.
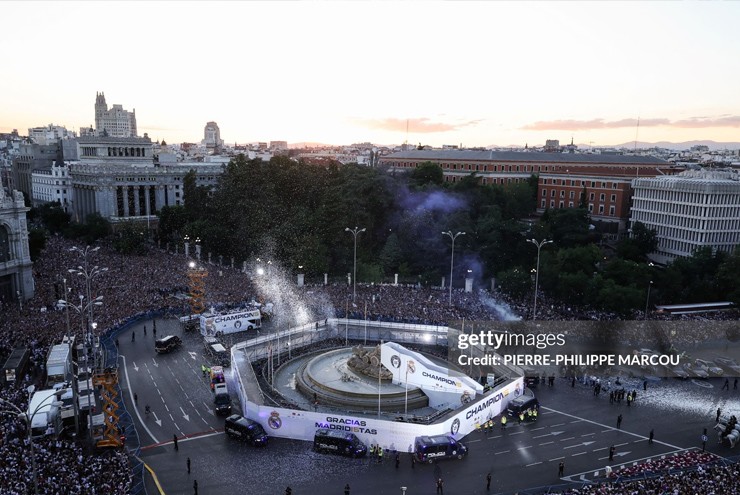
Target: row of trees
{"points": [[296, 214]]}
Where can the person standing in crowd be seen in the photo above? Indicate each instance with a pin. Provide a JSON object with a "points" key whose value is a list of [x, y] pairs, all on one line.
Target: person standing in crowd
{"points": [[346, 489], [719, 412], [488, 481], [619, 422], [188, 464], [652, 435], [561, 469], [440, 486], [133, 336], [174, 440], [195, 487]]}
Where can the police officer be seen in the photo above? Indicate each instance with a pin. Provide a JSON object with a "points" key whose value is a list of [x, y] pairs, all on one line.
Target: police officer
{"points": [[534, 414], [503, 421], [203, 369], [521, 417]]}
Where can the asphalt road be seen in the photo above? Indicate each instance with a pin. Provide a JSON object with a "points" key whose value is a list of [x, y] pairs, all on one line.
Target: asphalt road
{"points": [[574, 426]]}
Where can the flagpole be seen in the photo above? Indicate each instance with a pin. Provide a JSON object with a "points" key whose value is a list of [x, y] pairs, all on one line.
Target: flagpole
{"points": [[346, 323], [366, 324]]}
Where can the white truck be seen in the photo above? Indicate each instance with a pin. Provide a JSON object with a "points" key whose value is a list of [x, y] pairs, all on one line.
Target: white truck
{"points": [[216, 324], [40, 411], [58, 365]]}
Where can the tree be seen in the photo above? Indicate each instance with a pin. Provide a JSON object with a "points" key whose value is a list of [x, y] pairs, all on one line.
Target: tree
{"points": [[36, 242], [53, 216], [427, 173], [391, 255], [130, 238], [515, 281]]}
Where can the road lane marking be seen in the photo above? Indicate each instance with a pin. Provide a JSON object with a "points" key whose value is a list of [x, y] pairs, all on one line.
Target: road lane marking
{"points": [[559, 424], [566, 439], [502, 452], [527, 447], [580, 453], [138, 415], [555, 459], [613, 429], [546, 443], [533, 464]]}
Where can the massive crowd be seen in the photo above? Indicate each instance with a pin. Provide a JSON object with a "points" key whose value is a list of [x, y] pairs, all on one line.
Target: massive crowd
{"points": [[158, 281], [694, 473]]}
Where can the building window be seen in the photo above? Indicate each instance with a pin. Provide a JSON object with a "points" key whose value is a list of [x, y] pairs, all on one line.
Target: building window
{"points": [[590, 208], [544, 202], [601, 209], [591, 197], [602, 196], [593, 184], [544, 193], [611, 210], [552, 193], [572, 195], [560, 205], [552, 203], [614, 197], [570, 204]]}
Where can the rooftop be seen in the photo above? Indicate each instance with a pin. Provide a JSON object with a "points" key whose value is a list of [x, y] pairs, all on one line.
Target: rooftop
{"points": [[520, 156]]}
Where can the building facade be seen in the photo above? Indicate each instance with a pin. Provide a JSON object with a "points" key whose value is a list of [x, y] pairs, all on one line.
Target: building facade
{"points": [[565, 180], [52, 185], [114, 121], [16, 276], [30, 157], [118, 179], [212, 136], [694, 209]]}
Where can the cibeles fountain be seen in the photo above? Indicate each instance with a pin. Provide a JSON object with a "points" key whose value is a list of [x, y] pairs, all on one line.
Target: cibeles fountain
{"points": [[387, 377]]}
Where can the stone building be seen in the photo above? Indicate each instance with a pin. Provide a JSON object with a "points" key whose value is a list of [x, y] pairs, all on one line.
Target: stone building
{"points": [[16, 276], [114, 121]]}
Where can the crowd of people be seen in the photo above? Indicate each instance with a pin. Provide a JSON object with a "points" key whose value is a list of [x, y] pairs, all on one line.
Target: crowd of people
{"points": [[692, 472], [158, 281]]}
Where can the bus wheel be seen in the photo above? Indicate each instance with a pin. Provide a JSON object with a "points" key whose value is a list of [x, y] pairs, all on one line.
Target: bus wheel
{"points": [[431, 461]]}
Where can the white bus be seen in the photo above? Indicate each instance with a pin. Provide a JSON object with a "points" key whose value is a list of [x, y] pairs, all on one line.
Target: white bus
{"points": [[217, 324]]}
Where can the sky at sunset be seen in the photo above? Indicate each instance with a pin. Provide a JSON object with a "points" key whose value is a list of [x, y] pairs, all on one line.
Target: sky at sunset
{"points": [[476, 74]]}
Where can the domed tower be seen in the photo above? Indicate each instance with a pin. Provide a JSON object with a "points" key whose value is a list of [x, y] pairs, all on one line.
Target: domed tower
{"points": [[100, 108]]}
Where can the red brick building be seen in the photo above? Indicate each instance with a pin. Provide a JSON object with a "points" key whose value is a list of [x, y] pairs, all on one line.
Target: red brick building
{"points": [[603, 180]]}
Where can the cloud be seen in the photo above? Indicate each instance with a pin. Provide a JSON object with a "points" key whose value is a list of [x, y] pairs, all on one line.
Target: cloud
{"points": [[580, 125], [416, 125]]}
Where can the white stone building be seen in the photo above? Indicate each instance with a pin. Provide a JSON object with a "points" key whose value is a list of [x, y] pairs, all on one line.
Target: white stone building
{"points": [[16, 276], [118, 179], [52, 185], [690, 210], [212, 136], [114, 121]]}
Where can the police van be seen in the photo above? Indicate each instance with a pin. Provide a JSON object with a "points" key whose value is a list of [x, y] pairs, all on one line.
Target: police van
{"points": [[246, 430], [338, 442], [167, 344], [436, 447], [521, 404]]}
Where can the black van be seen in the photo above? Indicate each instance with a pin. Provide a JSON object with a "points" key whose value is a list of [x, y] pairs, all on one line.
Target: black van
{"points": [[167, 344], [521, 404], [245, 430], [338, 442], [431, 448]]}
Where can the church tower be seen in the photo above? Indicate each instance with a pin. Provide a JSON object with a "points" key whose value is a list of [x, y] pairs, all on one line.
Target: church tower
{"points": [[100, 108]]}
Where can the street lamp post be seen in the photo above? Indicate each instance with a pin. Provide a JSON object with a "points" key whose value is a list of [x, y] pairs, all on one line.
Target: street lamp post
{"points": [[537, 272], [452, 256], [89, 274], [354, 232], [647, 300]]}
